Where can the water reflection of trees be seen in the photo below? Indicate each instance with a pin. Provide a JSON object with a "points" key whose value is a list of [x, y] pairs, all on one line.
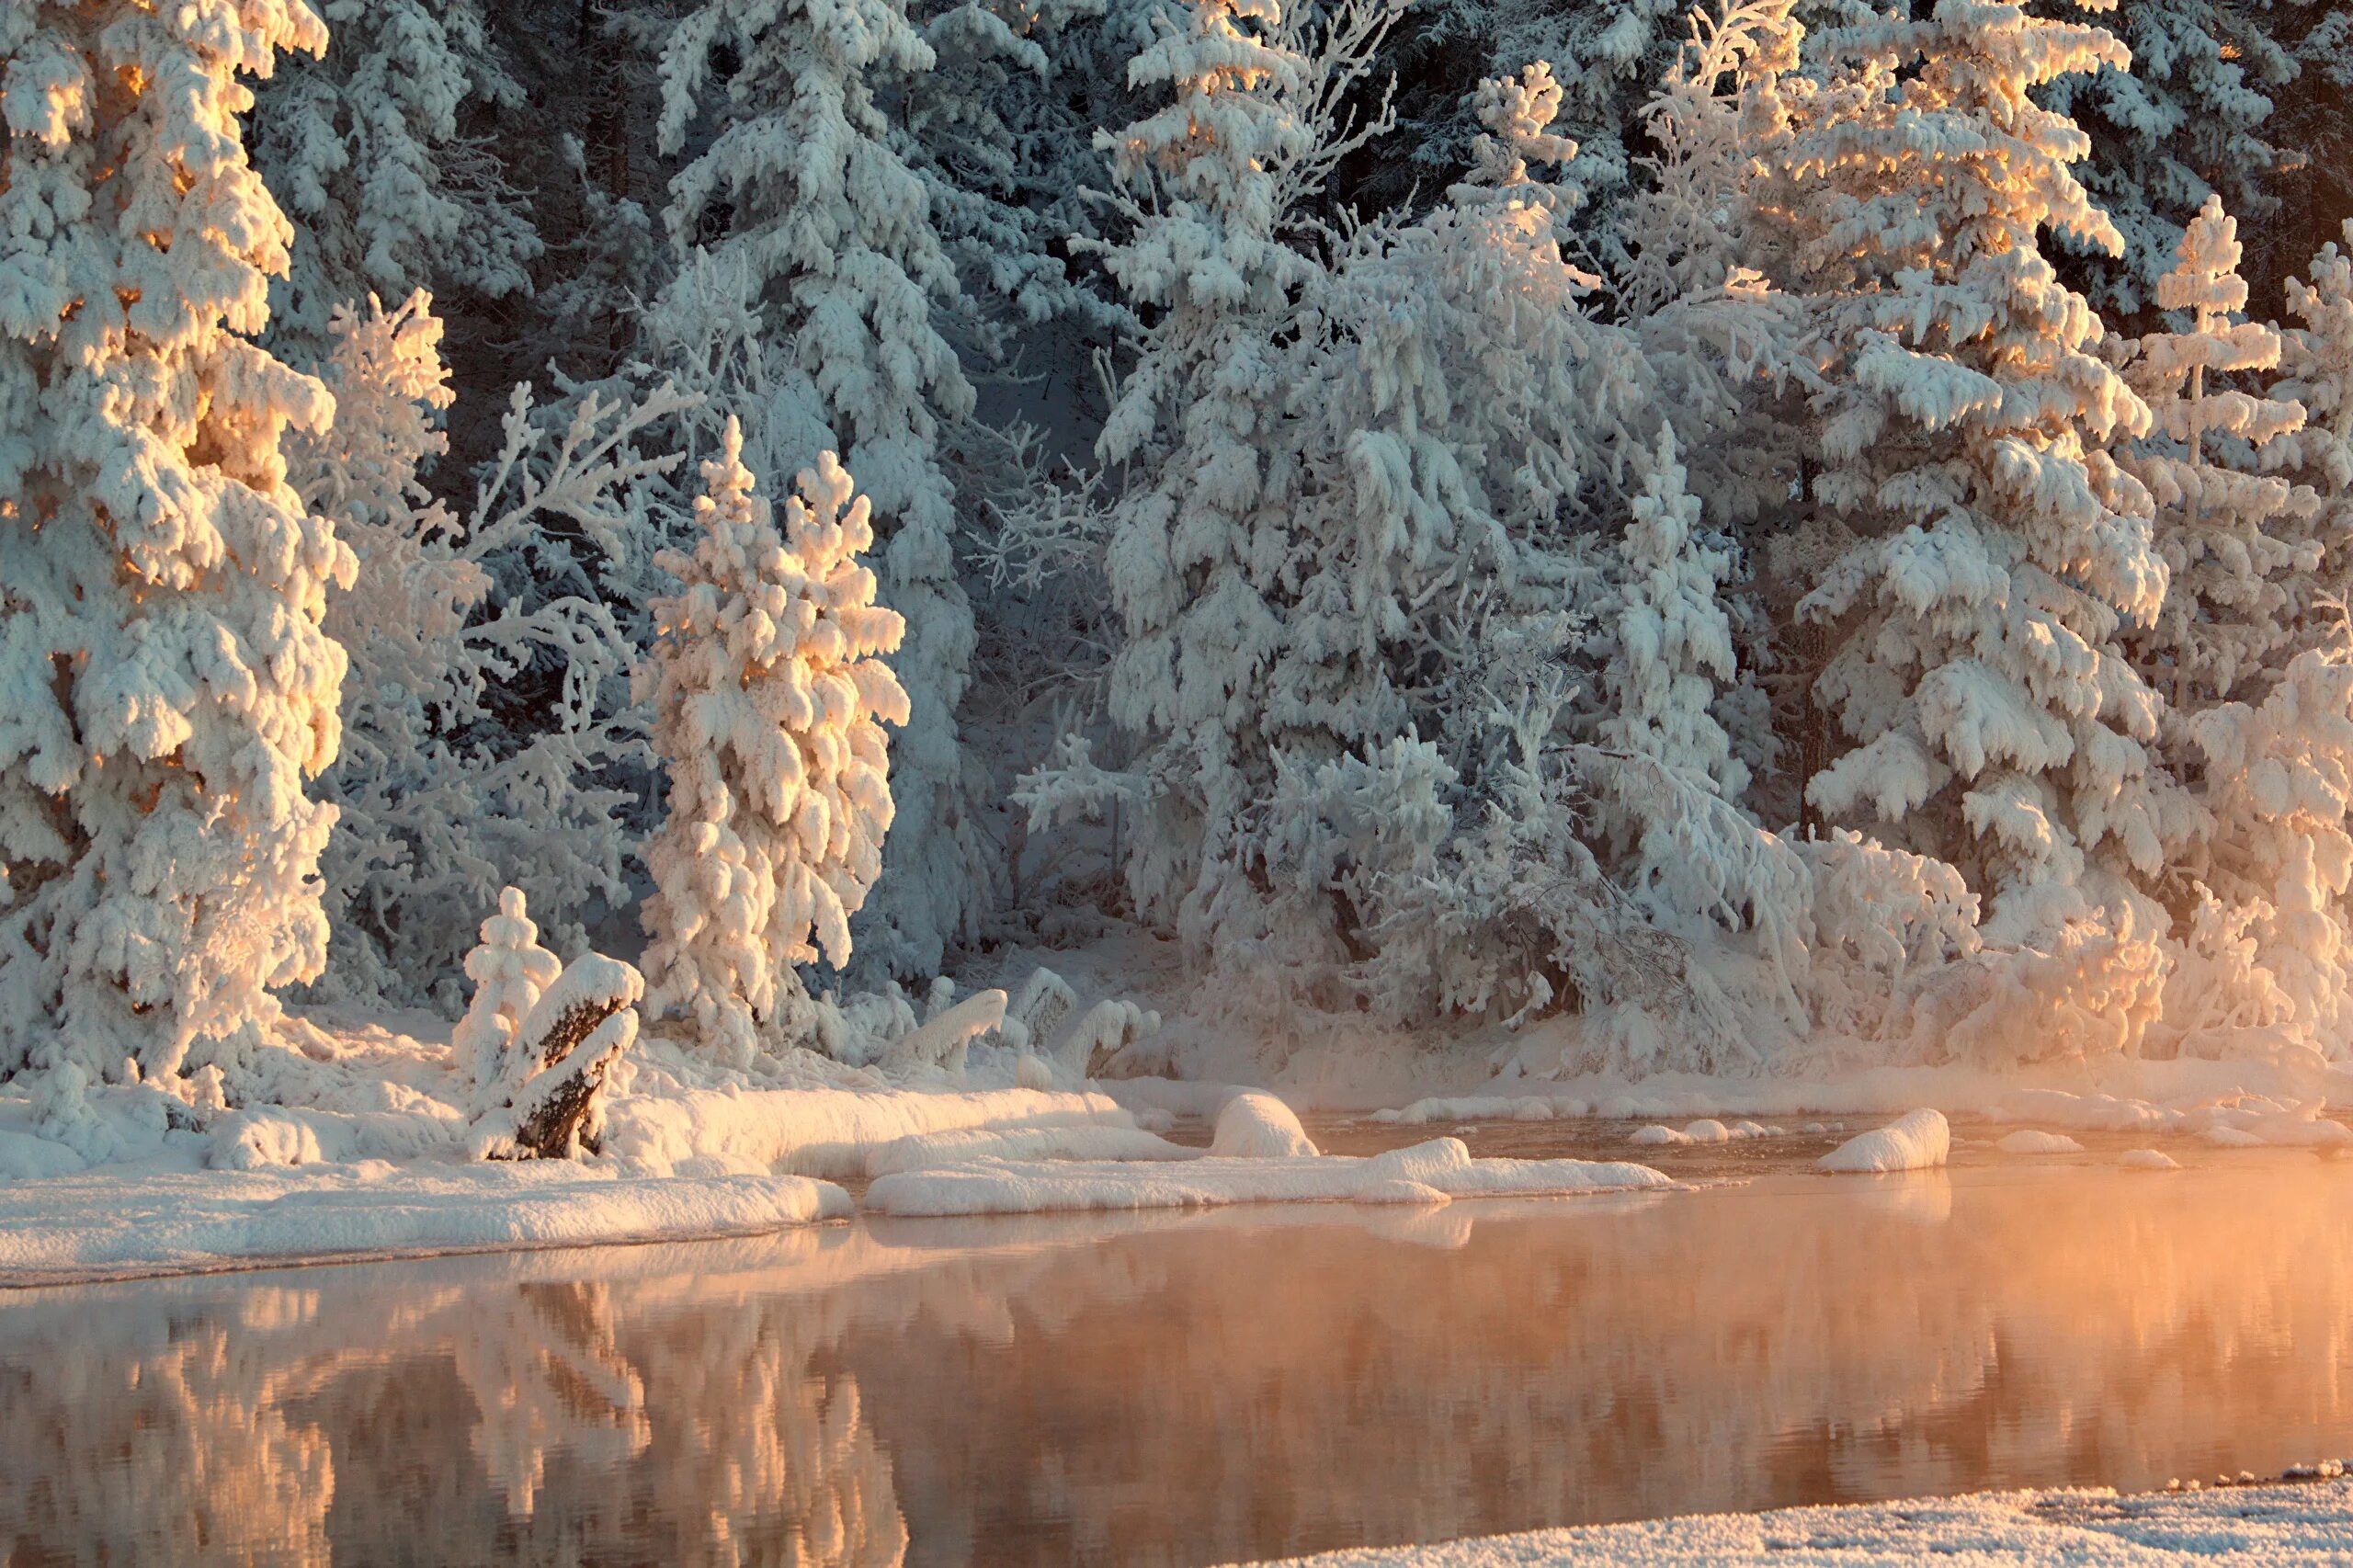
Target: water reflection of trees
{"points": [[1184, 1390]]}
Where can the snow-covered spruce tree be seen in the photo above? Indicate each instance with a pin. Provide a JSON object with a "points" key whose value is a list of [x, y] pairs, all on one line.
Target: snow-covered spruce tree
{"points": [[999, 141], [365, 151], [167, 686], [2189, 120], [2316, 361], [1203, 550], [1672, 645], [769, 693], [2236, 543], [444, 793], [1994, 720], [815, 223]]}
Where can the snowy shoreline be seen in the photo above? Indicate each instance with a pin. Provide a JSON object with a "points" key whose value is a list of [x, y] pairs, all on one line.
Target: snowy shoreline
{"points": [[2294, 1521]]}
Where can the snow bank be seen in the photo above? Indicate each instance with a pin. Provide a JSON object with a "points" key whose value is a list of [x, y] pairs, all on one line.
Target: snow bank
{"points": [[2241, 1525], [2148, 1160], [929, 1151], [2027, 1141], [822, 1132], [117, 1225], [1916, 1143], [1435, 1172], [1255, 1126]]}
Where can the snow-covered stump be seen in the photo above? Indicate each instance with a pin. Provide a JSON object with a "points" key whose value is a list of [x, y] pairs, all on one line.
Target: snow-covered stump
{"points": [[567, 1046]]}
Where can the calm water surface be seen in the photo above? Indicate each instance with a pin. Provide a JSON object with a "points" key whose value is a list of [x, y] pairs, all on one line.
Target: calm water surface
{"points": [[1192, 1388]]}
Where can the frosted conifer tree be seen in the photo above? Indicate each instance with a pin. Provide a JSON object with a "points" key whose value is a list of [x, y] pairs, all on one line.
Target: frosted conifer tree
{"points": [[167, 687], [1202, 540], [769, 692], [364, 149], [814, 222], [2318, 359], [1993, 717], [2234, 542], [2189, 120], [1673, 645]]}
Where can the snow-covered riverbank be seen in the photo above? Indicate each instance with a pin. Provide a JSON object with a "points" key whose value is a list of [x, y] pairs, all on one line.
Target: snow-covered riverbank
{"points": [[2292, 1523]]}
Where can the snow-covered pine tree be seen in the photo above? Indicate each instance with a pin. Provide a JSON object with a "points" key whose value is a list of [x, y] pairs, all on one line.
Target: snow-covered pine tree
{"points": [[2237, 543], [442, 799], [815, 223], [165, 685], [769, 693], [1994, 718], [364, 149]]}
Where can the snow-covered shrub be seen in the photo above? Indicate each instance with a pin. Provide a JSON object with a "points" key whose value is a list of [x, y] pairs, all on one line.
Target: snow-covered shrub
{"points": [[510, 971], [166, 686], [1882, 920], [453, 781], [768, 692], [2279, 782], [797, 212]]}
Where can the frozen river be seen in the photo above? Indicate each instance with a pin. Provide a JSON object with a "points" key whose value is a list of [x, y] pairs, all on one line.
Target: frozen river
{"points": [[1195, 1389]]}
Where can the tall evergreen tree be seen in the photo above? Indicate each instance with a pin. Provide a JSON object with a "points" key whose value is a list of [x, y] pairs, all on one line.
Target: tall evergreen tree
{"points": [[165, 685]]}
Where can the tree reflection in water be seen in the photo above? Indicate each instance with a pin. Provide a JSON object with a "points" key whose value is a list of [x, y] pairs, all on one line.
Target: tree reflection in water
{"points": [[1190, 1388]]}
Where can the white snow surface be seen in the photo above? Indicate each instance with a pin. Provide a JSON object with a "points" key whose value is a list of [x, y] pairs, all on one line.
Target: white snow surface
{"points": [[1433, 1172], [1918, 1141], [827, 1132], [2280, 1525], [109, 1223]]}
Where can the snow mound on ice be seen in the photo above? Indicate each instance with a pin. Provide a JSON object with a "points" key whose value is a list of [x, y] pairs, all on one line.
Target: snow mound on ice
{"points": [[2231, 1138], [111, 1225], [1255, 1126], [1658, 1137], [1916, 1143], [2148, 1160], [2027, 1141], [1432, 1173]]}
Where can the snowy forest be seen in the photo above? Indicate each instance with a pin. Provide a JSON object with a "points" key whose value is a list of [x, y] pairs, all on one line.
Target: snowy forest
{"points": [[1765, 542]]}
